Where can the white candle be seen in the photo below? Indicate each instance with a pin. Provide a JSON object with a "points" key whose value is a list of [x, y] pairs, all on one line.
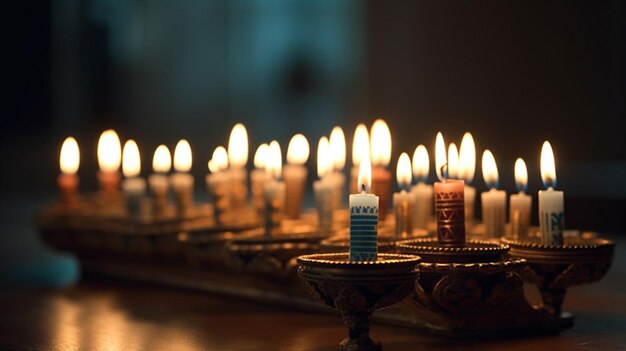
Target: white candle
{"points": [[323, 189], [422, 192], [364, 218], [274, 190], [181, 181], [337, 143], [69, 161], [360, 147], [551, 208], [520, 203], [217, 182], [467, 168], [403, 201], [109, 161], [295, 174], [494, 200], [237, 159], [258, 177], [134, 187], [159, 183]]}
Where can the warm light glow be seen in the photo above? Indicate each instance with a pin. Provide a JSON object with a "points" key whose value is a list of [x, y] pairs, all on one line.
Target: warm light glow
{"points": [[182, 156], [260, 156], [467, 159], [219, 159], [380, 144], [440, 156], [162, 160], [298, 150], [131, 162], [324, 161], [274, 163], [364, 180], [70, 156], [360, 144], [109, 151], [521, 175], [421, 163], [337, 143], [238, 146], [453, 161], [548, 168], [490, 170], [403, 171]]}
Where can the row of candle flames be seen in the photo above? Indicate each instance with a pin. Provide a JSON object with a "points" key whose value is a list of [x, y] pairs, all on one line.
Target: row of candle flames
{"points": [[283, 189]]}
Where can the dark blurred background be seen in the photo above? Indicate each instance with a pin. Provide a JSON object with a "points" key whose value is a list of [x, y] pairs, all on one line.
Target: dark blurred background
{"points": [[512, 73]]}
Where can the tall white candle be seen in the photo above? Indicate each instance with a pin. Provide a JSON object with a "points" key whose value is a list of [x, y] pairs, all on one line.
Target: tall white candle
{"points": [[423, 193], [295, 174], [403, 200], [494, 200], [467, 168], [159, 183], [134, 187], [520, 203], [323, 189], [551, 207], [364, 218]]}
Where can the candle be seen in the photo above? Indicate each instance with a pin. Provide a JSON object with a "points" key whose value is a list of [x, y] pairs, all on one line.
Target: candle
{"points": [[323, 188], [161, 165], [364, 218], [520, 203], [258, 177], [360, 147], [109, 160], [493, 201], [295, 174], [133, 187], [181, 181], [217, 183], [422, 192], [467, 168], [237, 158], [337, 144], [380, 143], [69, 162], [274, 190], [453, 161], [449, 202], [551, 213], [403, 201]]}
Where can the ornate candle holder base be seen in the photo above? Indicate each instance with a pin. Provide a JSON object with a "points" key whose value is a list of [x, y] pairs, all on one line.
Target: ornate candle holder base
{"points": [[553, 269], [357, 289]]}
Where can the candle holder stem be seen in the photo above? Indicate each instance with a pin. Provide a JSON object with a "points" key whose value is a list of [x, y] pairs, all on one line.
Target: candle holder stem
{"points": [[358, 339], [552, 299]]}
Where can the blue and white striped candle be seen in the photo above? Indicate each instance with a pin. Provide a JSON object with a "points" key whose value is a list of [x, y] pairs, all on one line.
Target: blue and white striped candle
{"points": [[364, 218]]}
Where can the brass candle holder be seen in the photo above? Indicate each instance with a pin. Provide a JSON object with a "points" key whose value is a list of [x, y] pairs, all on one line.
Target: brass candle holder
{"points": [[357, 289]]}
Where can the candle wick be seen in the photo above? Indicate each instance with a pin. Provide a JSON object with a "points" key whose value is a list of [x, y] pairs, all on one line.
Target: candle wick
{"points": [[363, 189], [443, 172]]}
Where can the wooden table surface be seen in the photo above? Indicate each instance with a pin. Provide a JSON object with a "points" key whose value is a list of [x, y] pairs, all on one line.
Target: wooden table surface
{"points": [[103, 314]]}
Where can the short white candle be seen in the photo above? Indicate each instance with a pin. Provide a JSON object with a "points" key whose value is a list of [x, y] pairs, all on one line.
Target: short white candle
{"points": [[295, 174], [551, 207], [274, 190], [364, 218], [181, 181], [159, 182], [69, 161], [237, 159], [403, 200], [323, 189], [423, 193], [258, 177], [133, 186], [109, 161], [494, 200], [217, 182], [520, 203]]}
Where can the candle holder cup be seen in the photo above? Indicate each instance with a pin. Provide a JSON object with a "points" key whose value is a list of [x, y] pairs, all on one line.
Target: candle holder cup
{"points": [[358, 289]]}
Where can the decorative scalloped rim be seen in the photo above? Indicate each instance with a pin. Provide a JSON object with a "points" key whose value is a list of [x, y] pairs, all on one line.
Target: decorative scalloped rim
{"points": [[410, 244], [388, 260], [483, 267], [599, 243]]}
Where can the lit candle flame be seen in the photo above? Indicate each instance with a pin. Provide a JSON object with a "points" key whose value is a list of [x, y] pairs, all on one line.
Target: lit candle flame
{"points": [[274, 164], [238, 146], [365, 175], [440, 156], [453, 161], [324, 161], [467, 159], [298, 150], [337, 143], [109, 151], [260, 156], [421, 163], [219, 159], [360, 144], [548, 167], [490, 170], [182, 156], [69, 160], [403, 171], [131, 161], [380, 143], [521, 175], [162, 160]]}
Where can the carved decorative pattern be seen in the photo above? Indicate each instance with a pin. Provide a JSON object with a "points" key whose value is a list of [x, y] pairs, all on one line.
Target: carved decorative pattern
{"points": [[459, 294]]}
